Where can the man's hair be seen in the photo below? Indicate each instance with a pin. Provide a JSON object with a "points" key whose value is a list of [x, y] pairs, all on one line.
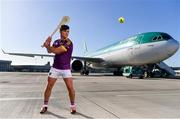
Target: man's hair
{"points": [[64, 27]]}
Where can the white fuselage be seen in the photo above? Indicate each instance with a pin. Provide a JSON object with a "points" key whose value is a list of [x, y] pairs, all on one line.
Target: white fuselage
{"points": [[140, 54]]}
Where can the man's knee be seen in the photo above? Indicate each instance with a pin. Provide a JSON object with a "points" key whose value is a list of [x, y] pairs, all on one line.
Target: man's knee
{"points": [[51, 82]]}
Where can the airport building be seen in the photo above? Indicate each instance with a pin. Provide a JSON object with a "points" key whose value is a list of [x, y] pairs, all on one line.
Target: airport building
{"points": [[31, 68], [5, 65]]}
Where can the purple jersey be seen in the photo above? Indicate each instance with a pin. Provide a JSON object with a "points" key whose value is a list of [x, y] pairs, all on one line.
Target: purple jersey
{"points": [[62, 61]]}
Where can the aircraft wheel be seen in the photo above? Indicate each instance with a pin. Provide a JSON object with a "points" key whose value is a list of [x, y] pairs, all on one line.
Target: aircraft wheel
{"points": [[86, 72], [130, 76], [115, 73], [82, 72], [141, 77]]}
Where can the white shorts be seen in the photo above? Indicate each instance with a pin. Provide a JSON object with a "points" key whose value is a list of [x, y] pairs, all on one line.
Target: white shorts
{"points": [[57, 73]]}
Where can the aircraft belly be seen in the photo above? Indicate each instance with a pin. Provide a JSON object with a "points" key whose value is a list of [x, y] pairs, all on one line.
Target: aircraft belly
{"points": [[149, 53], [120, 57]]}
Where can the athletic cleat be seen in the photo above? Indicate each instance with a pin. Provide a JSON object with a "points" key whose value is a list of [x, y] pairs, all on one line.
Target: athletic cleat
{"points": [[73, 109], [43, 109]]}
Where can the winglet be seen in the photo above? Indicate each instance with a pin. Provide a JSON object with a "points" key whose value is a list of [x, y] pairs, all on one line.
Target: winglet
{"points": [[85, 47], [3, 51]]}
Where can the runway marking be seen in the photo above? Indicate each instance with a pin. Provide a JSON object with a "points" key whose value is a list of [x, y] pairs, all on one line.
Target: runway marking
{"points": [[28, 98], [149, 94], [100, 106]]}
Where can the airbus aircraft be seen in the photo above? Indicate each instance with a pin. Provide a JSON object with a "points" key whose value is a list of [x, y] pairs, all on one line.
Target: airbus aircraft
{"points": [[145, 49]]}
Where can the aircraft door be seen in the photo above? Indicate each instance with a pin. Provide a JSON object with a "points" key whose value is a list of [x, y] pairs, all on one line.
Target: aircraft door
{"points": [[137, 49]]}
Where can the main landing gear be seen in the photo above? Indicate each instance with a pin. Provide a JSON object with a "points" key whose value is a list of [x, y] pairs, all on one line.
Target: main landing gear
{"points": [[85, 70]]}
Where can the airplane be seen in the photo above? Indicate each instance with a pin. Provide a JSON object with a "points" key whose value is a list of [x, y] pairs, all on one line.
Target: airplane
{"points": [[144, 49]]}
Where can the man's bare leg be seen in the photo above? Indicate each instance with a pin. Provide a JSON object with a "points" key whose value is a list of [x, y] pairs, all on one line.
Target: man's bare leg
{"points": [[47, 93], [69, 85]]}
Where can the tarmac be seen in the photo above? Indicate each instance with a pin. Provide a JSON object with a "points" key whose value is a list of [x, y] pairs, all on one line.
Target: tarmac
{"points": [[97, 96]]}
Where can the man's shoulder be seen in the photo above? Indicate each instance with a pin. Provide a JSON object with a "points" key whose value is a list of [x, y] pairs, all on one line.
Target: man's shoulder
{"points": [[57, 40], [69, 42]]}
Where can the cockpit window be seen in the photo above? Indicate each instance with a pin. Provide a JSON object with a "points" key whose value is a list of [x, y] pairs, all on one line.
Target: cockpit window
{"points": [[155, 38], [159, 38], [166, 36]]}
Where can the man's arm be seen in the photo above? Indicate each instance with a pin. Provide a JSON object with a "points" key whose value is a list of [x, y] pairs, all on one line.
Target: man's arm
{"points": [[48, 50], [47, 43], [51, 49], [57, 50]]}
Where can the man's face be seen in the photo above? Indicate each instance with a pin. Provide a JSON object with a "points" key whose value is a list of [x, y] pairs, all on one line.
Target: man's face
{"points": [[65, 33]]}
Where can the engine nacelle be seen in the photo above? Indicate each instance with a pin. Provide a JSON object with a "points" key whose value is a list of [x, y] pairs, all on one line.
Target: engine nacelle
{"points": [[77, 65]]}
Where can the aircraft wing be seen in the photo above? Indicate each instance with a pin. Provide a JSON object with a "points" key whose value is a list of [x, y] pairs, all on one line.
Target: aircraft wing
{"points": [[28, 54], [88, 59]]}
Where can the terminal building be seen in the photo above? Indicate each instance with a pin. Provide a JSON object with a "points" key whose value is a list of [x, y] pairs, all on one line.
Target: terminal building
{"points": [[31, 68], [5, 65]]}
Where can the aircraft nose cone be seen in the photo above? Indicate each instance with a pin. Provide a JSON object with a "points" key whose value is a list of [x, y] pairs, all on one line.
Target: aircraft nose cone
{"points": [[173, 46]]}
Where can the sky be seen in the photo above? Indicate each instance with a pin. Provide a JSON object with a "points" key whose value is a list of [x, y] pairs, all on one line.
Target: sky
{"points": [[25, 24]]}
